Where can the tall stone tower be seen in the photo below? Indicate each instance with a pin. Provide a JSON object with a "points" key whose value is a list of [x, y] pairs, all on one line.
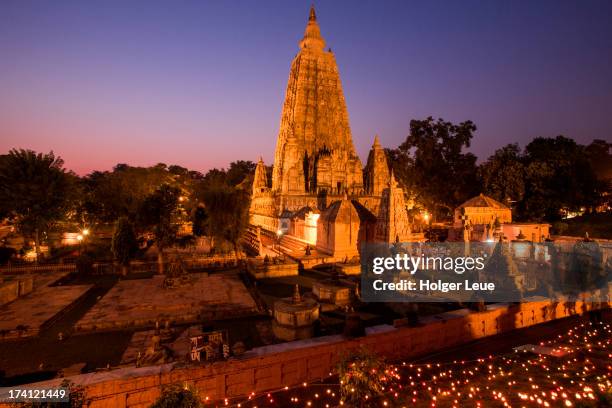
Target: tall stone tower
{"points": [[316, 168], [314, 150], [376, 172]]}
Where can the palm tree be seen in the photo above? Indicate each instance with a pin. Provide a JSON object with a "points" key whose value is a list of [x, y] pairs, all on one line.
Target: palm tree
{"points": [[35, 191]]}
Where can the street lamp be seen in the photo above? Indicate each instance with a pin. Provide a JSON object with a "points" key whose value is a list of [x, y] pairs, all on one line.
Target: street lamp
{"points": [[85, 231], [427, 226], [279, 234], [80, 239]]}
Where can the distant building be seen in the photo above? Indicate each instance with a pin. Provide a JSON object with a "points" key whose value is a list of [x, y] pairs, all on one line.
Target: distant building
{"points": [[482, 218], [482, 210]]}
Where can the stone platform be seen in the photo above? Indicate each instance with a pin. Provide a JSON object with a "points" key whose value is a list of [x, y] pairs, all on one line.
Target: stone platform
{"points": [[26, 315], [140, 303]]}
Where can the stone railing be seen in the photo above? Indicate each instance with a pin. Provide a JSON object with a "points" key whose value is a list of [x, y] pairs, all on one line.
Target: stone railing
{"points": [[24, 269]]}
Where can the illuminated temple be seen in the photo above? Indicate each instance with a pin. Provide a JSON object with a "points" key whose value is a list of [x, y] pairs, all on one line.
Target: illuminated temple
{"points": [[320, 195]]}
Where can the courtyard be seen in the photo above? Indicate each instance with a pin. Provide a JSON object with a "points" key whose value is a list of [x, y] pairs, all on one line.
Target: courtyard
{"points": [[146, 303]]}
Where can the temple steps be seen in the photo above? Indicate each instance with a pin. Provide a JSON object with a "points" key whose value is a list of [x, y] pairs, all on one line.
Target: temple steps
{"points": [[293, 245]]}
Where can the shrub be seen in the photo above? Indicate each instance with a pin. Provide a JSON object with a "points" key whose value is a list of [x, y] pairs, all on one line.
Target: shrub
{"points": [[362, 378], [178, 396]]}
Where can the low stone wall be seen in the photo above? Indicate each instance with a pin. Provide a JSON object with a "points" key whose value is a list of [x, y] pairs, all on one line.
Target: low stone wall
{"points": [[17, 287], [289, 364], [263, 270]]}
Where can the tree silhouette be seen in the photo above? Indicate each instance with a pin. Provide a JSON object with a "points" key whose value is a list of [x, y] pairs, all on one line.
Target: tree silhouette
{"points": [[124, 244], [160, 212], [35, 191]]}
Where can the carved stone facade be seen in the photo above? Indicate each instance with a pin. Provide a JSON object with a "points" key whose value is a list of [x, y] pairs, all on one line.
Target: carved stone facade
{"points": [[315, 162], [314, 150], [377, 170], [343, 227], [392, 224]]}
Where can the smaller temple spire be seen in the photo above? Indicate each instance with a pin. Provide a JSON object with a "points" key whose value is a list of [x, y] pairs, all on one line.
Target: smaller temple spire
{"points": [[313, 15], [376, 142], [297, 298], [260, 179], [392, 181]]}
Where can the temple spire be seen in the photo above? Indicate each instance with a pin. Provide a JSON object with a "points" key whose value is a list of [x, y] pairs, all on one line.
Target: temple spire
{"points": [[376, 172], [376, 141], [312, 36], [260, 180], [313, 15], [392, 182], [297, 298]]}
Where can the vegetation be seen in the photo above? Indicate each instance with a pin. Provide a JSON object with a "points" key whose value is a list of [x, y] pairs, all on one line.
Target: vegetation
{"points": [[228, 213], [178, 396], [362, 378], [598, 225], [432, 154], [549, 178], [503, 175], [124, 245], [159, 212], [35, 191], [544, 181]]}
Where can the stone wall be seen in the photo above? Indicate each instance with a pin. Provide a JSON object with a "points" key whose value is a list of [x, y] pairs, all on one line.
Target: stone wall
{"points": [[14, 288], [261, 270], [289, 364]]}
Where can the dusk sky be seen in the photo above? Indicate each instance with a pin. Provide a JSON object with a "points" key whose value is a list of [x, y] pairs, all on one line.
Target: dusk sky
{"points": [[201, 84]]}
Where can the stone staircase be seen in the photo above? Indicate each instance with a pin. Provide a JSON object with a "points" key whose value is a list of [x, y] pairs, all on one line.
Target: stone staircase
{"points": [[292, 245], [251, 241]]}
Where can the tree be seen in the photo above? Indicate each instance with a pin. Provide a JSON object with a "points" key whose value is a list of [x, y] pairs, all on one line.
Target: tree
{"points": [[599, 153], [240, 171], [559, 177], [124, 244], [227, 209], [110, 195], [160, 213], [503, 174], [35, 190], [433, 162], [362, 378], [200, 222], [177, 396]]}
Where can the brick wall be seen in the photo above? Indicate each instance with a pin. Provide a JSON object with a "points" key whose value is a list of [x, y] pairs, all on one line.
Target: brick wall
{"points": [[288, 364]]}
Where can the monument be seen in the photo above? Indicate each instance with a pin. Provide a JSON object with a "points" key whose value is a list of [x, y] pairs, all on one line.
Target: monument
{"points": [[317, 178]]}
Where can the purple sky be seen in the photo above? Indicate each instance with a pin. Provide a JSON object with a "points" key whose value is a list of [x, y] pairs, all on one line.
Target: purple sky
{"points": [[201, 84]]}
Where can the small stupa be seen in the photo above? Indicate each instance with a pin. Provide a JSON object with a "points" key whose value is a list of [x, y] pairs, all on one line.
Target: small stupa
{"points": [[294, 316]]}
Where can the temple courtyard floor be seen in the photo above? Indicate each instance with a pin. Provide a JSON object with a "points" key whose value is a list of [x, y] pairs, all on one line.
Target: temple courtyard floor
{"points": [[146, 303], [27, 315]]}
